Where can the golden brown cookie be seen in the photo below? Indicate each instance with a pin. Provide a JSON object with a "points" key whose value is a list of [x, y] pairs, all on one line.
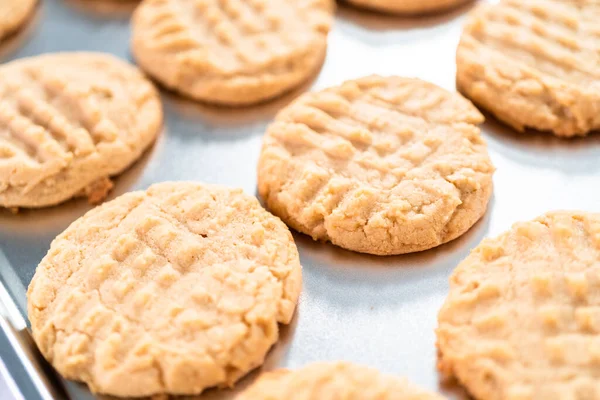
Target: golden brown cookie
{"points": [[333, 381], [407, 6], [13, 13], [377, 165], [231, 52], [172, 290], [68, 122], [534, 64], [522, 320]]}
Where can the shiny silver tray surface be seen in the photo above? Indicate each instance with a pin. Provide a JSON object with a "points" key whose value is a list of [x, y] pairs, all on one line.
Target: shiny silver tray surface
{"points": [[378, 311]]}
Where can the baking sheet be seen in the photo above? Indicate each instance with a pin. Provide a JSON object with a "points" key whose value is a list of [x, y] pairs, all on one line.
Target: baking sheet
{"points": [[378, 311]]}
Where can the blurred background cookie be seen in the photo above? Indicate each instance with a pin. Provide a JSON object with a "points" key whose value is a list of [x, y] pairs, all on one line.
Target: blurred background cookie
{"points": [[232, 53], [13, 13], [407, 6], [333, 381], [70, 121], [534, 64]]}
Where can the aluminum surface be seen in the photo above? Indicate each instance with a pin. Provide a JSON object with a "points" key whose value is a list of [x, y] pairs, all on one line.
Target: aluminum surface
{"points": [[36, 380], [379, 311]]}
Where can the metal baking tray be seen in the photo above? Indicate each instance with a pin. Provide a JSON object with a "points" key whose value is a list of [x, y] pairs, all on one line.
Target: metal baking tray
{"points": [[378, 311]]}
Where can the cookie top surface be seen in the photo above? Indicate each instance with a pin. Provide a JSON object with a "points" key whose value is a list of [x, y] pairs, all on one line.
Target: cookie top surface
{"points": [[535, 63], [13, 13], [171, 290], [231, 51], [68, 120], [522, 319], [407, 6], [377, 165], [332, 381]]}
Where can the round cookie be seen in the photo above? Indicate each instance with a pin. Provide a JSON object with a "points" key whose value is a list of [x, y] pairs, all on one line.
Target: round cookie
{"points": [[68, 122], [13, 13], [172, 290], [333, 381], [377, 165], [407, 6], [231, 52], [522, 319], [534, 64]]}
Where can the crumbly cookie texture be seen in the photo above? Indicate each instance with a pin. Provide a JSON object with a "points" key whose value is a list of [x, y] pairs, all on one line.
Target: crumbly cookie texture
{"points": [[231, 52], [522, 319], [172, 290], [333, 381], [68, 122], [534, 64], [377, 165], [408, 6], [13, 13]]}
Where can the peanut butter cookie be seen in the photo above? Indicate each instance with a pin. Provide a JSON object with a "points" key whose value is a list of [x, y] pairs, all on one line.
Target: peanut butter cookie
{"points": [[68, 122], [377, 165], [13, 14], [408, 6], [534, 64], [333, 381], [172, 290], [522, 320], [233, 52]]}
